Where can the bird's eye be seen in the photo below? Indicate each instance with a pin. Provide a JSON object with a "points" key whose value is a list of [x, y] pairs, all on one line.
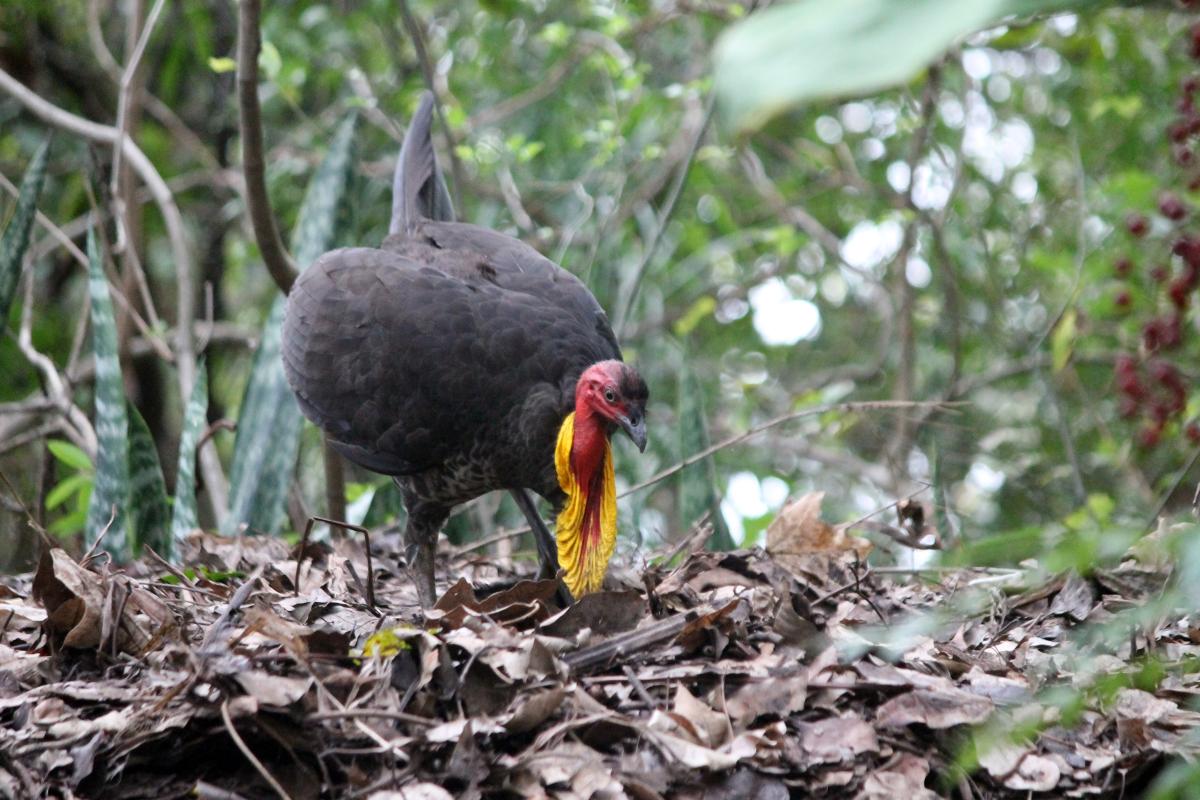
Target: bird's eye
{"points": [[609, 396]]}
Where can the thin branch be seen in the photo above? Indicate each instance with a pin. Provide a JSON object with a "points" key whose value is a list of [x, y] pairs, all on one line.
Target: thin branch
{"points": [[258, 203], [55, 386], [664, 215], [413, 28], [870, 405]]}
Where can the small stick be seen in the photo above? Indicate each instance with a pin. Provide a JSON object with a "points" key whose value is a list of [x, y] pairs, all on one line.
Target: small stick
{"points": [[340, 524], [249, 754], [373, 713]]}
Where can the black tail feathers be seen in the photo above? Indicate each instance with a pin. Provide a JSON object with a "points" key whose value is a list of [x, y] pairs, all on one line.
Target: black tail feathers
{"points": [[418, 190]]}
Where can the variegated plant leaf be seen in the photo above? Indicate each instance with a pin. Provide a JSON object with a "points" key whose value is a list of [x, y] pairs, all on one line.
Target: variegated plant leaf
{"points": [[16, 236], [698, 483], [183, 518], [147, 489], [268, 433], [110, 495]]}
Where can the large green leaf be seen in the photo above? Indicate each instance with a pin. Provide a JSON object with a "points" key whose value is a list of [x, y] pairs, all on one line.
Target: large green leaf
{"points": [[16, 236], [815, 49], [147, 488], [183, 518], [111, 492], [268, 435]]}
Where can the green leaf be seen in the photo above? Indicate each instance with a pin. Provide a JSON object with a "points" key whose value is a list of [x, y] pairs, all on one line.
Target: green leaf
{"points": [[268, 433], [147, 488], [70, 455], [111, 490], [813, 49], [184, 518], [269, 61], [16, 237], [66, 488], [1062, 341]]}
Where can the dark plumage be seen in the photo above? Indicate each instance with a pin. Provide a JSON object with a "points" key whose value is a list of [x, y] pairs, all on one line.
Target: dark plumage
{"points": [[447, 358]]}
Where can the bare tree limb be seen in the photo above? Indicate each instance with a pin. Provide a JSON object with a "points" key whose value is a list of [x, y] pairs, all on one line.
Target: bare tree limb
{"points": [[258, 204]]}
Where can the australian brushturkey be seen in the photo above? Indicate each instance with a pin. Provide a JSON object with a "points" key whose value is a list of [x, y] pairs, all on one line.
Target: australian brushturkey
{"points": [[459, 360]]}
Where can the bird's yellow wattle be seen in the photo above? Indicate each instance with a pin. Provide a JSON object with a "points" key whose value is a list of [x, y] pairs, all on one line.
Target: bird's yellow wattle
{"points": [[587, 525]]}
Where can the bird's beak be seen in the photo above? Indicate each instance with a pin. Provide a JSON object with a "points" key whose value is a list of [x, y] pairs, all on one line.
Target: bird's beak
{"points": [[635, 426]]}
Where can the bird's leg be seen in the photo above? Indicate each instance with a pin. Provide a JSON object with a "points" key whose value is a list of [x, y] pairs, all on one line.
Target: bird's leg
{"points": [[420, 540], [546, 546]]}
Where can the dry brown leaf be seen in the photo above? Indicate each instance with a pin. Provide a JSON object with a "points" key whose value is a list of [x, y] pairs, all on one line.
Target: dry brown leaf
{"points": [[711, 728], [903, 778], [799, 530], [523, 606], [779, 696], [934, 709], [837, 739], [603, 613]]}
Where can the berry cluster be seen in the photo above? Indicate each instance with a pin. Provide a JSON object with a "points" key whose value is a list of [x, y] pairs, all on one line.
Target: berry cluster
{"points": [[1153, 391]]}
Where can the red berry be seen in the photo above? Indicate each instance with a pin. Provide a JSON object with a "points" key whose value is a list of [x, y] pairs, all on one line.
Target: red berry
{"points": [[1194, 48], [1159, 274], [1194, 184], [1123, 266], [1171, 206], [1170, 332], [1127, 407], [1123, 300], [1130, 386], [1190, 84], [1182, 154], [1148, 437], [1193, 432], [1137, 225], [1150, 336], [1179, 292], [1161, 371], [1160, 413], [1125, 364], [1187, 248]]}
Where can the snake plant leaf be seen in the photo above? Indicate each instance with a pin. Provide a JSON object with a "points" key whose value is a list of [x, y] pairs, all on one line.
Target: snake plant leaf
{"points": [[697, 492], [16, 236], [148, 507], [110, 495], [809, 50], [184, 518], [268, 433]]}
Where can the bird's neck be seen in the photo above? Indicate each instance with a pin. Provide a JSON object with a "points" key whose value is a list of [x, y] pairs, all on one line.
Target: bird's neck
{"points": [[589, 444], [587, 524]]}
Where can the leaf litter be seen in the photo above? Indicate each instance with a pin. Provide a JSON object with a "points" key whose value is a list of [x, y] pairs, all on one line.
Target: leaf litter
{"points": [[794, 670]]}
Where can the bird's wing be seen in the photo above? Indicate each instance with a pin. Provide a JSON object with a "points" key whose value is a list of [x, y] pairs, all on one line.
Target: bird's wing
{"points": [[407, 362]]}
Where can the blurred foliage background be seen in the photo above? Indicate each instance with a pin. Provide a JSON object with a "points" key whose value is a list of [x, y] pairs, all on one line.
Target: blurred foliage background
{"points": [[957, 237]]}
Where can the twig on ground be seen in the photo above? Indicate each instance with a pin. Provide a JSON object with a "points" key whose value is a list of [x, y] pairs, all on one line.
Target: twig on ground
{"points": [[247, 752]]}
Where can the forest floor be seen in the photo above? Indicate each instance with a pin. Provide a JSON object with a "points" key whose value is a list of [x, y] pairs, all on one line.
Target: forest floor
{"points": [[794, 670]]}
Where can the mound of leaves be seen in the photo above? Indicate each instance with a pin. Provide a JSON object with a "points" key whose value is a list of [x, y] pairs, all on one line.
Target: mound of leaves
{"points": [[791, 671]]}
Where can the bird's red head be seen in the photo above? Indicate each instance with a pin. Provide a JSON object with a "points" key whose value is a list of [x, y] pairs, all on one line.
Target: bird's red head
{"points": [[616, 393]]}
